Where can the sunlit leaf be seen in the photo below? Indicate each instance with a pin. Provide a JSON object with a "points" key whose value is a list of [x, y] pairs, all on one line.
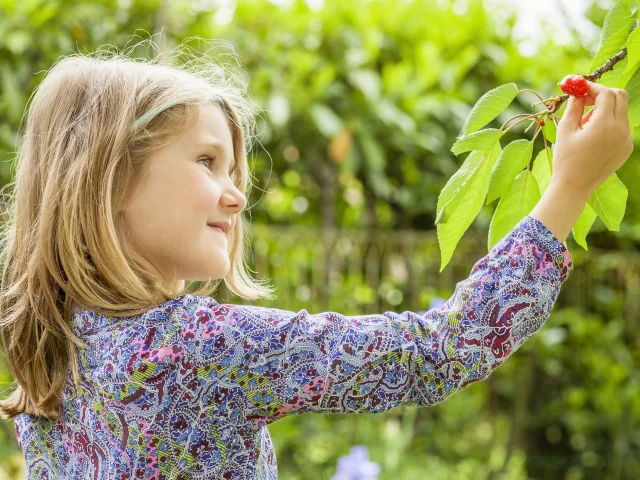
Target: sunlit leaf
{"points": [[542, 168], [392, 116], [469, 205], [609, 202], [583, 225], [482, 140], [372, 152], [453, 191], [622, 71], [633, 91], [615, 31], [367, 81], [490, 105], [515, 156], [522, 196], [326, 120], [549, 130]]}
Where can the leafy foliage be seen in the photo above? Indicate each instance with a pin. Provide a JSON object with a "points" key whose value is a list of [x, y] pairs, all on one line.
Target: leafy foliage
{"points": [[362, 102], [490, 105], [518, 188]]}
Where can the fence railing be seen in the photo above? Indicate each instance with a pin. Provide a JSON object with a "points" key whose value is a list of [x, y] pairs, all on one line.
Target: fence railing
{"points": [[359, 272]]}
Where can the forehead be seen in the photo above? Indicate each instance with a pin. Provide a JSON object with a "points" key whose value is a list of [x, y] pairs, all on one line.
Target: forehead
{"points": [[210, 121], [208, 132]]}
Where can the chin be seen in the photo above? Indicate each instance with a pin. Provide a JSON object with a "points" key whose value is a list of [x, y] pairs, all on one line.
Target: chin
{"points": [[213, 274]]}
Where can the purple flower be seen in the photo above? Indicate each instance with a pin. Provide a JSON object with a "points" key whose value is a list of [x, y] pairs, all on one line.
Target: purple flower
{"points": [[356, 466]]}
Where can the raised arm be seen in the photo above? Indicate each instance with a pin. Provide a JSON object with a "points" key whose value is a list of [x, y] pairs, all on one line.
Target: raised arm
{"points": [[589, 150], [287, 362]]}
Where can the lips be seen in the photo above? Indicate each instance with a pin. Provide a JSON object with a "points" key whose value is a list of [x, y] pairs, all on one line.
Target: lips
{"points": [[217, 228], [224, 226]]}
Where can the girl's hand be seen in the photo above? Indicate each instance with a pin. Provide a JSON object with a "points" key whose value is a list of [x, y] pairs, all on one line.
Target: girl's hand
{"points": [[590, 148]]}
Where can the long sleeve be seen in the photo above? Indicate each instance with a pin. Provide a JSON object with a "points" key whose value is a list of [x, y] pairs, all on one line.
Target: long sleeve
{"points": [[187, 387], [295, 362]]}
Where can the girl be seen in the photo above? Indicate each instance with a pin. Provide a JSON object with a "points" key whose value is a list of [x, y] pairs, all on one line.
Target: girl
{"points": [[131, 180]]}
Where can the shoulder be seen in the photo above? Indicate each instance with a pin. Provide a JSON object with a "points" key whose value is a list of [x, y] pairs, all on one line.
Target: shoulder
{"points": [[161, 334]]}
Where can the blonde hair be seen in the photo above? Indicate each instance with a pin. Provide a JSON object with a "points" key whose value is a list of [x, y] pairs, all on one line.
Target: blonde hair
{"points": [[91, 126]]}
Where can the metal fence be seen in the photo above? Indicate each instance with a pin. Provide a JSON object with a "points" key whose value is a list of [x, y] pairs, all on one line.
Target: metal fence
{"points": [[360, 272]]}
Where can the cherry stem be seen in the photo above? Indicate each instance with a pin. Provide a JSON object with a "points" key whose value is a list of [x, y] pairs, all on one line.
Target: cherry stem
{"points": [[518, 122], [514, 117], [552, 99], [530, 125], [527, 117], [536, 133], [529, 90]]}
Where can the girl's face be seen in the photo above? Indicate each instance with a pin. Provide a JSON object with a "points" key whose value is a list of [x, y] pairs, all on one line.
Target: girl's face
{"points": [[187, 186]]}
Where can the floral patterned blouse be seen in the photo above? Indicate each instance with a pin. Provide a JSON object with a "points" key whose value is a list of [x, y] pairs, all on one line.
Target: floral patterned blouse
{"points": [[187, 389]]}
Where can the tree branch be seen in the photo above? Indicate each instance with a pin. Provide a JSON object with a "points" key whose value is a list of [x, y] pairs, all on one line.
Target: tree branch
{"points": [[555, 104]]}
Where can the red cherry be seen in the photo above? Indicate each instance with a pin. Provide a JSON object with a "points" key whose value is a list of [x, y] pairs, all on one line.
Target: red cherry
{"points": [[574, 85]]}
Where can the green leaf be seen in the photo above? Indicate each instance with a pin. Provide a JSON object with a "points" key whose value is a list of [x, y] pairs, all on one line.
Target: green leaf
{"points": [[482, 140], [490, 105], [522, 196], [375, 160], [622, 71], [634, 5], [469, 205], [392, 116], [609, 202], [454, 190], [614, 33], [367, 81], [583, 225], [17, 41], [326, 120], [12, 92], [618, 77], [43, 14], [633, 91], [513, 159], [372, 152], [633, 58], [542, 168], [549, 130]]}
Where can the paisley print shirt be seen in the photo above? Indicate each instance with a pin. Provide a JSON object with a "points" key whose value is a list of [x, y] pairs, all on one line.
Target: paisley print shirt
{"points": [[187, 389]]}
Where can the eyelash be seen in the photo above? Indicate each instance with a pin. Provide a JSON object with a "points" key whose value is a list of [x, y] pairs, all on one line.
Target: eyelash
{"points": [[205, 158]]}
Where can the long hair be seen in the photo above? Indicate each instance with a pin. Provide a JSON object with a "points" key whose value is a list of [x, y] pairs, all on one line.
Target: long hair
{"points": [[89, 128]]}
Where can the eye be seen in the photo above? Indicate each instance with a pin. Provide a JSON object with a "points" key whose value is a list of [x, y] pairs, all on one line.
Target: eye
{"points": [[210, 161], [206, 159]]}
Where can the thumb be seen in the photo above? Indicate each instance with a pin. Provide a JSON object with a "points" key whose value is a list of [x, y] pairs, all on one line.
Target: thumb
{"points": [[573, 114]]}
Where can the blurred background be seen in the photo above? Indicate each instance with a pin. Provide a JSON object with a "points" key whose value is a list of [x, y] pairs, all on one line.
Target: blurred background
{"points": [[362, 101]]}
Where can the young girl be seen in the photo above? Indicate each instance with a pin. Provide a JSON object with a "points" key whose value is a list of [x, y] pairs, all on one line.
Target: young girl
{"points": [[131, 180]]}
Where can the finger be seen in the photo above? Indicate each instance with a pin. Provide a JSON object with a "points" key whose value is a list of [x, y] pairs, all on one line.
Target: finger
{"points": [[589, 100], [605, 99], [587, 116], [622, 103], [573, 114]]}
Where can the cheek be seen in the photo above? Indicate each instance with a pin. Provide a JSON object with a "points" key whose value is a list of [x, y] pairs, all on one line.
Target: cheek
{"points": [[194, 199], [176, 205]]}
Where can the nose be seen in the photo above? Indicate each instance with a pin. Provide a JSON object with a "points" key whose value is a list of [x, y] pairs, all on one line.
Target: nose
{"points": [[234, 198]]}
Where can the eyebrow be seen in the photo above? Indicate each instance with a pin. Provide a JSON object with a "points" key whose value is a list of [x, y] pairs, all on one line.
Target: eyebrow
{"points": [[216, 146]]}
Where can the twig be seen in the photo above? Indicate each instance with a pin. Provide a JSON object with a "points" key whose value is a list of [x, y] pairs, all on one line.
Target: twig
{"points": [[529, 90], [527, 117], [514, 117], [554, 105]]}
